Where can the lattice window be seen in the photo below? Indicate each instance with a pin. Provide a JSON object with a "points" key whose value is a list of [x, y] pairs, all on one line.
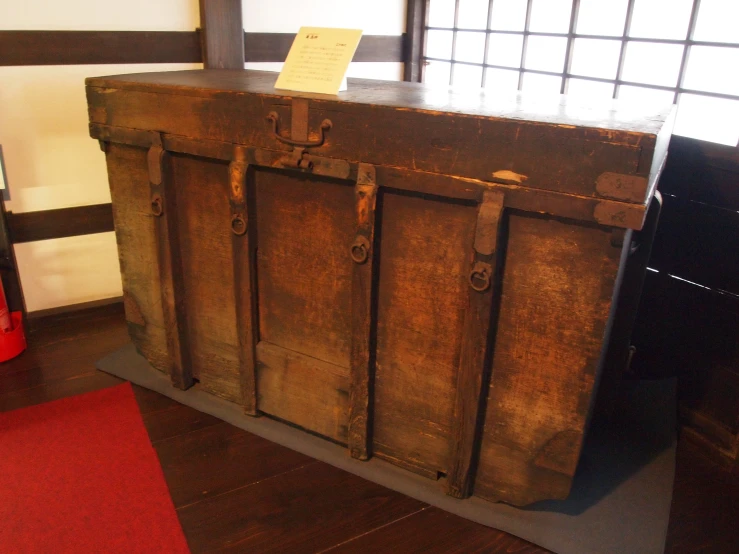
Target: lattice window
{"points": [[648, 51]]}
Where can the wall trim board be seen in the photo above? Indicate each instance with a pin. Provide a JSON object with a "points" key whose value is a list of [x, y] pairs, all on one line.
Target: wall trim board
{"points": [[59, 223], [98, 47], [273, 47], [133, 47], [59, 314]]}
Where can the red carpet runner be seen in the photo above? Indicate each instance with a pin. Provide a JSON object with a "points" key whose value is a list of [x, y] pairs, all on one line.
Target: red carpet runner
{"points": [[80, 475]]}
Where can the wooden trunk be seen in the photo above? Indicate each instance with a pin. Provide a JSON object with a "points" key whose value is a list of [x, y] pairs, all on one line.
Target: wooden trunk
{"points": [[421, 275]]}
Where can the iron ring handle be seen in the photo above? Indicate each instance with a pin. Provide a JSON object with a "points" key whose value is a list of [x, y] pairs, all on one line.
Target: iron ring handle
{"points": [[157, 208], [480, 276], [360, 250], [275, 118], [238, 225]]}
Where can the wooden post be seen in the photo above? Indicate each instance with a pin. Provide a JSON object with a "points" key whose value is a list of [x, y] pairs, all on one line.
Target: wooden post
{"points": [[471, 378], [360, 392], [164, 211], [244, 263], [222, 34], [414, 34], [9, 267]]}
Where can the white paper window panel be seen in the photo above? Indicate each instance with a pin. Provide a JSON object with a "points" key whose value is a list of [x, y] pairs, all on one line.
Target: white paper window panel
{"points": [[467, 76], [713, 69], [705, 118], [718, 21], [546, 53], [505, 50], [437, 73], [508, 15], [439, 44], [601, 17], [501, 80], [470, 47], [595, 58], [645, 97], [546, 85], [661, 19], [441, 13], [473, 14], [550, 16], [653, 64], [589, 90]]}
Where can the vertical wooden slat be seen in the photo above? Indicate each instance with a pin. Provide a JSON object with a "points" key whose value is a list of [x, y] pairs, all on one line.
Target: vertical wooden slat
{"points": [[487, 44], [525, 44], [624, 42], [471, 378], [454, 41], [361, 359], [164, 211], [574, 14], [414, 38], [299, 119], [223, 34], [8, 265], [686, 49], [244, 301]]}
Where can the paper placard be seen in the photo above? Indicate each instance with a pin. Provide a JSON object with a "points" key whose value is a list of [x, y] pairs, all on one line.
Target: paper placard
{"points": [[318, 60]]}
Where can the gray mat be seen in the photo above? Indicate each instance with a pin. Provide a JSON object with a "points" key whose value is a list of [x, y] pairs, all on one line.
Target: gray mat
{"points": [[620, 501]]}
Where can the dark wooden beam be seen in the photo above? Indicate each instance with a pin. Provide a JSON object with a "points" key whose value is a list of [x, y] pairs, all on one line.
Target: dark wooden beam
{"points": [[9, 267], [119, 47], [59, 314], [364, 274], [98, 47], [169, 260], [223, 34], [56, 224], [273, 47], [414, 32], [243, 248], [473, 377]]}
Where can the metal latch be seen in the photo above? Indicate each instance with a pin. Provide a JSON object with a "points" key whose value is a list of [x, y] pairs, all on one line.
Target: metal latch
{"points": [[299, 139]]}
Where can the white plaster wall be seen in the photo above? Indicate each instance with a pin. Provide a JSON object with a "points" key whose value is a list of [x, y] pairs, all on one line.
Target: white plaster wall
{"points": [[51, 162], [379, 17], [100, 15]]}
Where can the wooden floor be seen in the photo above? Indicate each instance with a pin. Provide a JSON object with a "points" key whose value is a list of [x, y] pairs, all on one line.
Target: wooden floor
{"points": [[237, 492]]}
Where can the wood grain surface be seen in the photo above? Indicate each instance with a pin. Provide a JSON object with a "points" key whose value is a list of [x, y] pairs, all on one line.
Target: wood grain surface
{"points": [[422, 296], [137, 250], [364, 278], [556, 296], [207, 460], [305, 228], [430, 283], [222, 34], [589, 142], [207, 272]]}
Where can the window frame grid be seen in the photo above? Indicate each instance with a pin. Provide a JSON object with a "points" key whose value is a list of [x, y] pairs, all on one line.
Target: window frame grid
{"points": [[571, 35]]}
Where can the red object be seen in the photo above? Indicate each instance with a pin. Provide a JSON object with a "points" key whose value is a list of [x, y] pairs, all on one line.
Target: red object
{"points": [[13, 342], [6, 325], [80, 475]]}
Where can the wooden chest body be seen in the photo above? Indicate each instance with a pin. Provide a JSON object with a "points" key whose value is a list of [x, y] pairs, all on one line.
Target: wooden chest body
{"points": [[425, 277]]}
